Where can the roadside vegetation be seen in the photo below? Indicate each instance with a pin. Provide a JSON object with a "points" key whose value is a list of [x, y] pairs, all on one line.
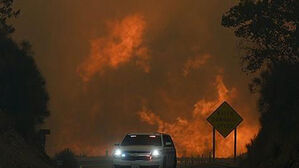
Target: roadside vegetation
{"points": [[66, 159], [23, 95], [23, 99]]}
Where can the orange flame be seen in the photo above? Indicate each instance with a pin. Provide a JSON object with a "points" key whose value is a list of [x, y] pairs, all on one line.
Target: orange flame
{"points": [[195, 63], [122, 43], [193, 137]]}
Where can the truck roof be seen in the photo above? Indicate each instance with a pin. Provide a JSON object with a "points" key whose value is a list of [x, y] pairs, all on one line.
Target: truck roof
{"points": [[145, 133]]}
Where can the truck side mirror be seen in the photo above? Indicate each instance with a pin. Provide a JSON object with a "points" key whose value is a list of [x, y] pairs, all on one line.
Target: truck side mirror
{"points": [[168, 144]]}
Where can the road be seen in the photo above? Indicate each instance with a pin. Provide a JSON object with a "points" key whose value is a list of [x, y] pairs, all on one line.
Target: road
{"points": [[106, 162], [95, 162]]}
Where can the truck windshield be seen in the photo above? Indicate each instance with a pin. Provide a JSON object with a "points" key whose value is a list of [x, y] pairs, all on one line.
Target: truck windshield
{"points": [[141, 140]]}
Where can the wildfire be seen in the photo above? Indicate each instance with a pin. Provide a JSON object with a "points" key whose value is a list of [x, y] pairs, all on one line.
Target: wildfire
{"points": [[195, 63], [193, 137], [122, 43]]}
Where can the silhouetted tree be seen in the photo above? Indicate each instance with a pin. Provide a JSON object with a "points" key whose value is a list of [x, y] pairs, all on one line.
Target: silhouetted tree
{"points": [[6, 12], [268, 32], [23, 97], [67, 158], [278, 140], [268, 29]]}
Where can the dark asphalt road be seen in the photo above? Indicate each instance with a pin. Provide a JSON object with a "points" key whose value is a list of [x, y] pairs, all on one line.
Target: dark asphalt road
{"points": [[106, 162]]}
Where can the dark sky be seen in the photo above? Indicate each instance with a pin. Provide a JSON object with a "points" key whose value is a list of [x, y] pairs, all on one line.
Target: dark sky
{"points": [[114, 67]]}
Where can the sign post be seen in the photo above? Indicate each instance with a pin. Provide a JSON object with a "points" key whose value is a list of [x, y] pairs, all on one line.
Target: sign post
{"points": [[214, 145], [225, 119], [235, 144]]}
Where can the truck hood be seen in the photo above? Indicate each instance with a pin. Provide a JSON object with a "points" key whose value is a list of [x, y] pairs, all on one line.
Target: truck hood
{"points": [[140, 148]]}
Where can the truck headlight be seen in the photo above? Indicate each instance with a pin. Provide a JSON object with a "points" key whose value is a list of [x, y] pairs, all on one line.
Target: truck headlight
{"points": [[155, 153], [117, 153]]}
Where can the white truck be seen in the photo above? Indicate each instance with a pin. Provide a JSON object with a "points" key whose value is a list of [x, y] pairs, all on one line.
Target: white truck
{"points": [[145, 150]]}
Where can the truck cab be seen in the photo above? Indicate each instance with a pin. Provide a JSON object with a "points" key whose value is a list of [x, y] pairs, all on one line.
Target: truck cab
{"points": [[145, 150]]}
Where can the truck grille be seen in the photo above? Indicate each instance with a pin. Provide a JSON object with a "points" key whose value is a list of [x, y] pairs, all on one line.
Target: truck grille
{"points": [[132, 158], [144, 152], [137, 155], [118, 166]]}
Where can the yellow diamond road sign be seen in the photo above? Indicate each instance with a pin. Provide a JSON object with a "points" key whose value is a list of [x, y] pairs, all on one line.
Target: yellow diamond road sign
{"points": [[224, 119]]}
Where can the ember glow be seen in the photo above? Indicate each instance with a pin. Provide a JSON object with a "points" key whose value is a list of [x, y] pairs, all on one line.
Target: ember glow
{"points": [[193, 137], [122, 43]]}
